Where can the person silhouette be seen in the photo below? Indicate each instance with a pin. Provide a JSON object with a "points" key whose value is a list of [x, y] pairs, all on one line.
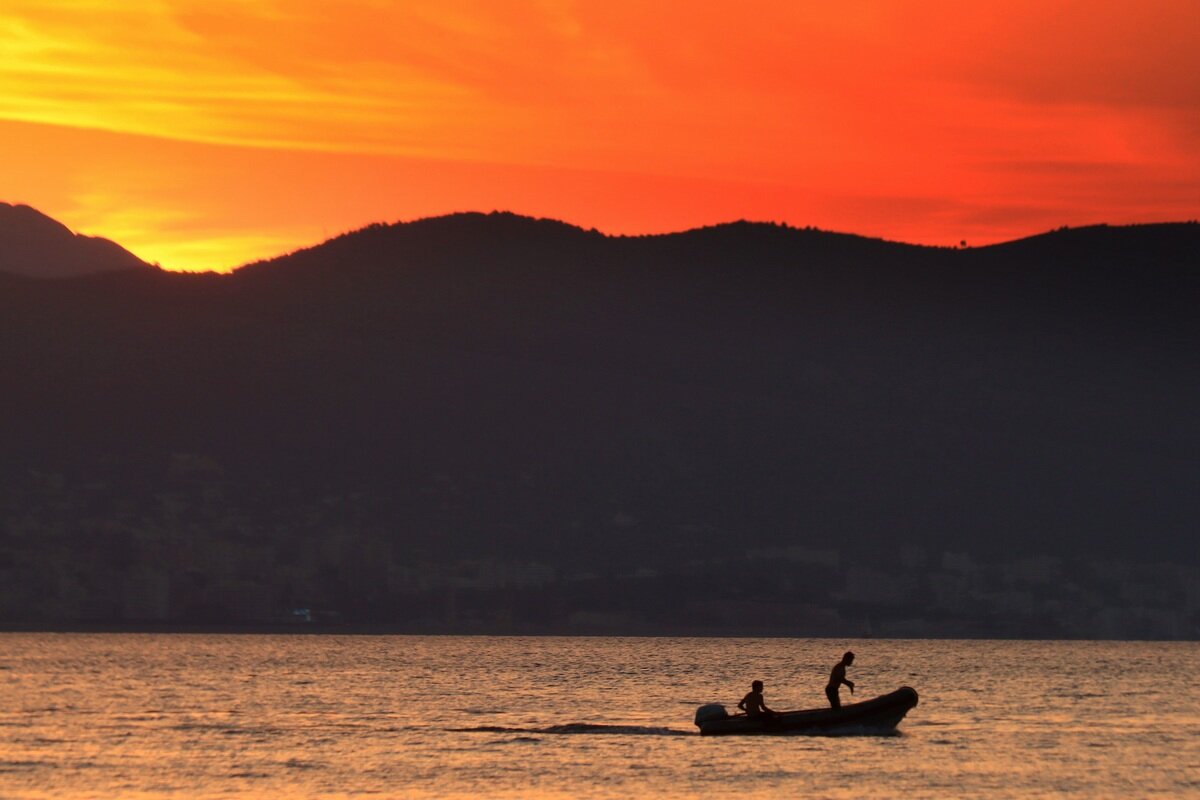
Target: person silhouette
{"points": [[837, 676], [753, 703]]}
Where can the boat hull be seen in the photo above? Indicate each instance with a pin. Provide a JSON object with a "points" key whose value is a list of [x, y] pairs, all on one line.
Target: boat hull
{"points": [[878, 716]]}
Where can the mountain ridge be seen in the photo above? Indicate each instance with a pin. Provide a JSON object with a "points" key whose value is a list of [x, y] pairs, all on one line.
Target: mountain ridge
{"points": [[24, 231], [471, 221], [35, 245]]}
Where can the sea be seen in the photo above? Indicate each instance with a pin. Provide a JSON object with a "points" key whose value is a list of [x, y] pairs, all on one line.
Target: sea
{"points": [[317, 715]]}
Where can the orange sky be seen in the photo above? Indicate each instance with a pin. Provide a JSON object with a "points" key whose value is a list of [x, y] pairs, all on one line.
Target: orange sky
{"points": [[207, 133]]}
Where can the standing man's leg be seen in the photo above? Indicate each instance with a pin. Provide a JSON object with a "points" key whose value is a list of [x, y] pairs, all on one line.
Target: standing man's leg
{"points": [[832, 693]]}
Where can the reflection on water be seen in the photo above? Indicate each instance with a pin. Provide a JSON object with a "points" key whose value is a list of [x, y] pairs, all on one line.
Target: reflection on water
{"points": [[302, 716]]}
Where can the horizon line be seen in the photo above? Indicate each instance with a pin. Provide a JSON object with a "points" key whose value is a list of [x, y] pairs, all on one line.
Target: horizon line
{"points": [[583, 228], [964, 245]]}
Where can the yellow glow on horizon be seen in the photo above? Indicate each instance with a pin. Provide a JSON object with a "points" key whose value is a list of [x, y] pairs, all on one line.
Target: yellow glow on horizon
{"points": [[202, 249]]}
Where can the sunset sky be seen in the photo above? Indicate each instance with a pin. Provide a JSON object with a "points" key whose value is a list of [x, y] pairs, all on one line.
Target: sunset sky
{"points": [[208, 133]]}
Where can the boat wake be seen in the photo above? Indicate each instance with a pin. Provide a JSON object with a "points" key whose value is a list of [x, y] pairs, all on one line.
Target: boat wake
{"points": [[578, 728], [860, 730]]}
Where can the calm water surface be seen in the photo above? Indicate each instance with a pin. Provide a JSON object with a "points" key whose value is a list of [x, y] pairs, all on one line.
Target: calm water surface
{"points": [[116, 715]]}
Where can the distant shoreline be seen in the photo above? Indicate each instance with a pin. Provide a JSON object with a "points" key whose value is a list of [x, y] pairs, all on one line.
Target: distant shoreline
{"points": [[539, 632]]}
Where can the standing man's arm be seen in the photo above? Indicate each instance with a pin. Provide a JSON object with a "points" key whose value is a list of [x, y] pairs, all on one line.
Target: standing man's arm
{"points": [[839, 675]]}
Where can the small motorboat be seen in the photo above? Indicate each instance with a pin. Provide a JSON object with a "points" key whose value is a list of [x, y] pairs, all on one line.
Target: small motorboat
{"points": [[879, 716]]}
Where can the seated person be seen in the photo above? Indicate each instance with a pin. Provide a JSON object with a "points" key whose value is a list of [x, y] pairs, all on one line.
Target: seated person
{"points": [[753, 703]]}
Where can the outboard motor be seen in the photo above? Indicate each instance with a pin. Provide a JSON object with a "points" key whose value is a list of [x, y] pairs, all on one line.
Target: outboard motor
{"points": [[710, 712]]}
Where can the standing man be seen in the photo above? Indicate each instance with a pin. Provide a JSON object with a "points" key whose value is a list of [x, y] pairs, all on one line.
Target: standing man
{"points": [[837, 677]]}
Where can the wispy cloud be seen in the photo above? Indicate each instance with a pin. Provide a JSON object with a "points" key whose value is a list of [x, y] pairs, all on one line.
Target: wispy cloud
{"points": [[146, 67]]}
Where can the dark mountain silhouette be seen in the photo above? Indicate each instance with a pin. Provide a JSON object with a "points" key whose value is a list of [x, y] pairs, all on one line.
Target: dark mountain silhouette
{"points": [[37, 246], [493, 386]]}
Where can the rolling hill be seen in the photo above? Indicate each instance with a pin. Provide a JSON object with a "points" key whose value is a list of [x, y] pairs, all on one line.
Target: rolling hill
{"points": [[491, 386]]}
